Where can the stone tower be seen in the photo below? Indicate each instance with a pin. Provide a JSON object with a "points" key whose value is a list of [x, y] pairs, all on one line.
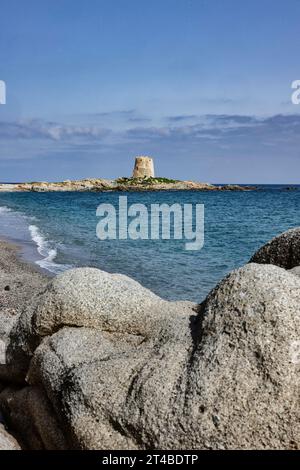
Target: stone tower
{"points": [[143, 167]]}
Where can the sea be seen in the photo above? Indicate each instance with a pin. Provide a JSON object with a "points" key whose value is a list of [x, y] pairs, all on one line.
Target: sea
{"points": [[57, 231]]}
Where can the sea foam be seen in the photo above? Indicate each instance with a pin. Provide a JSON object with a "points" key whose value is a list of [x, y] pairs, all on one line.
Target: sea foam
{"points": [[45, 249]]}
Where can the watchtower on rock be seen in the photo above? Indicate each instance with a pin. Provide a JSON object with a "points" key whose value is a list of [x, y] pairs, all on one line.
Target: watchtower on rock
{"points": [[143, 167]]}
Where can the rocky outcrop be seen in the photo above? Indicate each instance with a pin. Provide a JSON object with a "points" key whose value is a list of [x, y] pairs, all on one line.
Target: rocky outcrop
{"points": [[113, 366], [132, 184], [93, 184]]}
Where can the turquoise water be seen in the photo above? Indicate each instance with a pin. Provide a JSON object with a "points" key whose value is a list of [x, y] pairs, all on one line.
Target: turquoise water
{"points": [[58, 231]]}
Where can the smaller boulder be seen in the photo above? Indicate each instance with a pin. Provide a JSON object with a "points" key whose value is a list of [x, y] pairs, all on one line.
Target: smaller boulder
{"points": [[282, 251]]}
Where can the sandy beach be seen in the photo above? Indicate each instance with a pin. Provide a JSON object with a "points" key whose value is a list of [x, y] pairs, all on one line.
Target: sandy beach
{"points": [[19, 280]]}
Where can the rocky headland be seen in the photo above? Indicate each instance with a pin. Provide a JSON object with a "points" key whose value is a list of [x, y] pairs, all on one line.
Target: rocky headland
{"points": [[93, 360], [120, 184]]}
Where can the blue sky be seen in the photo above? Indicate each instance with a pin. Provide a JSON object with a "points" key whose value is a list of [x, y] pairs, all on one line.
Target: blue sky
{"points": [[203, 86]]}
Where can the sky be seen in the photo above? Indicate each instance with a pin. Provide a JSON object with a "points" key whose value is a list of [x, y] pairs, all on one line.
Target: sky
{"points": [[202, 86]]}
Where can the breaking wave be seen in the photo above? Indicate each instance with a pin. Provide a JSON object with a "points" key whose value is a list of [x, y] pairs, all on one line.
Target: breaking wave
{"points": [[47, 250]]}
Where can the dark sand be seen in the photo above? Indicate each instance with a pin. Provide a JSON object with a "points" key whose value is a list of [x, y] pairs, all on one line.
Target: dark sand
{"points": [[19, 281]]}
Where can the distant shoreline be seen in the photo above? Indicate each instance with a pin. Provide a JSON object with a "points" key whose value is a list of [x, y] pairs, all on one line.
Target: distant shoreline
{"points": [[120, 184]]}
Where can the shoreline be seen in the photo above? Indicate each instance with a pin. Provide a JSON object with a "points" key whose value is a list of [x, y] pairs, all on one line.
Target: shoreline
{"points": [[19, 228], [24, 253], [11, 254], [19, 280]]}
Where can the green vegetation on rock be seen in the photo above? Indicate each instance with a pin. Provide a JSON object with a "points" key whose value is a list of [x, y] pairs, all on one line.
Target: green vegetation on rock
{"points": [[145, 181]]}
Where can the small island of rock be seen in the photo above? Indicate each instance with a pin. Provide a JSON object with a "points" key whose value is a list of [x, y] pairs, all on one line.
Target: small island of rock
{"points": [[143, 179]]}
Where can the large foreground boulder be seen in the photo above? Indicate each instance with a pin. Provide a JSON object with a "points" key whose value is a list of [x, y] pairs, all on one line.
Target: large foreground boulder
{"points": [[283, 250], [87, 297], [123, 369]]}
